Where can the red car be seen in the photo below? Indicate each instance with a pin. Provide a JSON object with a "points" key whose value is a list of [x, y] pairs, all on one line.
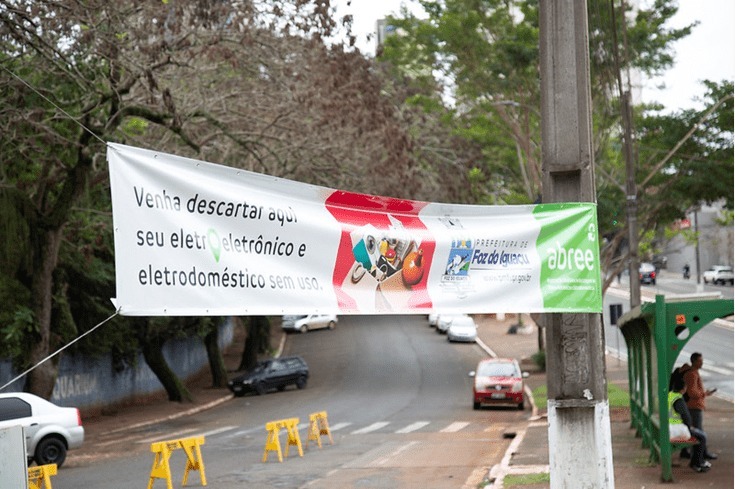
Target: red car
{"points": [[498, 381]]}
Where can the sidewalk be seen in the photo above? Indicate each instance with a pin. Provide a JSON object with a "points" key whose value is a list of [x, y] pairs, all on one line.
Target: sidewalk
{"points": [[632, 469]]}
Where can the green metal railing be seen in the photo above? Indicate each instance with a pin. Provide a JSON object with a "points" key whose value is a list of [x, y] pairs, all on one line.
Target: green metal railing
{"points": [[655, 333]]}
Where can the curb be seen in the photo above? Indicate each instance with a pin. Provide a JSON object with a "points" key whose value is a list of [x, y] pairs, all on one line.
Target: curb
{"points": [[188, 412]]}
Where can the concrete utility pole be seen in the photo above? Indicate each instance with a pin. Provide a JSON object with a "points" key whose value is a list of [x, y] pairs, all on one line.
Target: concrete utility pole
{"points": [[580, 448]]}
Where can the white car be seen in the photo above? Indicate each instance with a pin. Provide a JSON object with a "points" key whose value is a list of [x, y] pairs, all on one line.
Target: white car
{"points": [[433, 318], [718, 274], [462, 329], [50, 430], [307, 322], [445, 320]]}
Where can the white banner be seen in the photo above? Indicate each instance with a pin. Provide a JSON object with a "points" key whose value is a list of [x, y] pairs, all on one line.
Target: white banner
{"points": [[195, 238]]}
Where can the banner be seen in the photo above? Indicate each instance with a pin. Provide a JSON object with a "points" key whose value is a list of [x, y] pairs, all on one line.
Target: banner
{"points": [[198, 239]]}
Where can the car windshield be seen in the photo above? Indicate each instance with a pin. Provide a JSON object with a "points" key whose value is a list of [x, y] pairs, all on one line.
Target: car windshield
{"points": [[261, 366], [497, 370]]}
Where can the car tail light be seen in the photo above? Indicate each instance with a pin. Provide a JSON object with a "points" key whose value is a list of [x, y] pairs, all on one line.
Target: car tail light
{"points": [[517, 387], [79, 418], [653, 274]]}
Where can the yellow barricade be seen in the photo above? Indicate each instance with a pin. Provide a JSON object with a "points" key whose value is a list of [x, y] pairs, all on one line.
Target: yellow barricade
{"points": [[163, 449], [318, 426], [39, 477], [273, 444]]}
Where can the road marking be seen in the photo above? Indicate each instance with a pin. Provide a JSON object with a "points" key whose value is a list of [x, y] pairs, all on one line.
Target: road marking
{"points": [[171, 436], [372, 427], [393, 454], [413, 427], [217, 431], [454, 427], [338, 426]]}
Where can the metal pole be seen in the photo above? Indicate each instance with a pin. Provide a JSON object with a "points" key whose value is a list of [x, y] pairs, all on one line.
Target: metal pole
{"points": [[580, 448], [631, 203], [700, 286]]}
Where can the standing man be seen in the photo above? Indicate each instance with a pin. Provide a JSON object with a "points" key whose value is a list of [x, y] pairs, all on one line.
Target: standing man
{"points": [[697, 394]]}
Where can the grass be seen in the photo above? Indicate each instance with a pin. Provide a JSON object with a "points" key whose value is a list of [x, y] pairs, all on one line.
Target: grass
{"points": [[525, 479], [616, 396]]}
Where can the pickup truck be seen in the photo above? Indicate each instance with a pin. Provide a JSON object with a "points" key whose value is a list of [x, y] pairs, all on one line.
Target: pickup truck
{"points": [[718, 274]]}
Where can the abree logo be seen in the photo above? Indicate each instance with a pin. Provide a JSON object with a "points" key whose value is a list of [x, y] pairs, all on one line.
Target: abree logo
{"points": [[561, 258]]}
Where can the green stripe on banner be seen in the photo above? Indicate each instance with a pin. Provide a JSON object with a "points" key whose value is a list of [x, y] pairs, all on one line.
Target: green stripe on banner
{"points": [[569, 249]]}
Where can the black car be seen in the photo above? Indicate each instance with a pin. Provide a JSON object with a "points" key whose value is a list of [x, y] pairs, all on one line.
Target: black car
{"points": [[275, 373]]}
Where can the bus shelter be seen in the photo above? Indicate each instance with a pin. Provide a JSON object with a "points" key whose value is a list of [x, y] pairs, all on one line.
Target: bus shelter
{"points": [[655, 334]]}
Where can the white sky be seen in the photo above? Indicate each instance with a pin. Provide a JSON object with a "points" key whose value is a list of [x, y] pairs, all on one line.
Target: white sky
{"points": [[708, 53]]}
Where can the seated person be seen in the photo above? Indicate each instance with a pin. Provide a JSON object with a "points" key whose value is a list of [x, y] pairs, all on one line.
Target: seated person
{"points": [[680, 426]]}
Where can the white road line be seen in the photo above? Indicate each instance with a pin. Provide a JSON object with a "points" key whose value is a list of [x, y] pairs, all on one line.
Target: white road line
{"points": [[170, 436], [218, 431], [372, 427], [413, 427], [392, 455], [454, 427], [338, 426]]}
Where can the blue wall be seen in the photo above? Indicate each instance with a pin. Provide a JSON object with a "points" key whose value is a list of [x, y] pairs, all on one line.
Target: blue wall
{"points": [[88, 383]]}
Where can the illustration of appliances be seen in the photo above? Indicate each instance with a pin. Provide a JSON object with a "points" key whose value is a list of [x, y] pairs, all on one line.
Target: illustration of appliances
{"points": [[400, 241], [365, 241]]}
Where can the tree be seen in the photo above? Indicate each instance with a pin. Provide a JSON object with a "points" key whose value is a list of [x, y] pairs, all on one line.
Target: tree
{"points": [[256, 342], [77, 74], [485, 54]]}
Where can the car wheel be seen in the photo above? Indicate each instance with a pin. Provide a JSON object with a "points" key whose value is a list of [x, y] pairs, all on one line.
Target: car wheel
{"points": [[301, 382], [260, 388], [50, 451], [331, 325], [520, 406], [475, 405], [653, 282], [304, 328]]}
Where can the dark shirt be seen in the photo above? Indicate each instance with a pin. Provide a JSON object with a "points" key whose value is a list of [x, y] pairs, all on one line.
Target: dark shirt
{"points": [[681, 407]]}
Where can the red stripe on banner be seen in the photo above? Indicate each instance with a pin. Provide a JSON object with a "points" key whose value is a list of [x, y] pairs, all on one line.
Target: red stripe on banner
{"points": [[399, 241]]}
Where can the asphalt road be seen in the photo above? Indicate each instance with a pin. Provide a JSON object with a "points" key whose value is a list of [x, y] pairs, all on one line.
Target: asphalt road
{"points": [[398, 398]]}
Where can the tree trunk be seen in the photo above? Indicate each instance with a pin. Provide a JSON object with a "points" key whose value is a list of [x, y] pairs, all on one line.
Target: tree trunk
{"points": [[214, 355], [250, 351], [41, 380], [153, 354]]}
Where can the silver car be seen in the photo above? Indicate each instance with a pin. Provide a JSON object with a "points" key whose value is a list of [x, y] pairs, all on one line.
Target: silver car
{"points": [[462, 329], [307, 322], [49, 430]]}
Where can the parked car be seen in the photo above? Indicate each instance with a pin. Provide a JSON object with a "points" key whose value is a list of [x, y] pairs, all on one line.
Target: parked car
{"points": [[276, 373], [647, 273], [462, 329], [50, 430], [498, 381], [445, 320], [433, 318], [718, 274], [308, 322]]}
